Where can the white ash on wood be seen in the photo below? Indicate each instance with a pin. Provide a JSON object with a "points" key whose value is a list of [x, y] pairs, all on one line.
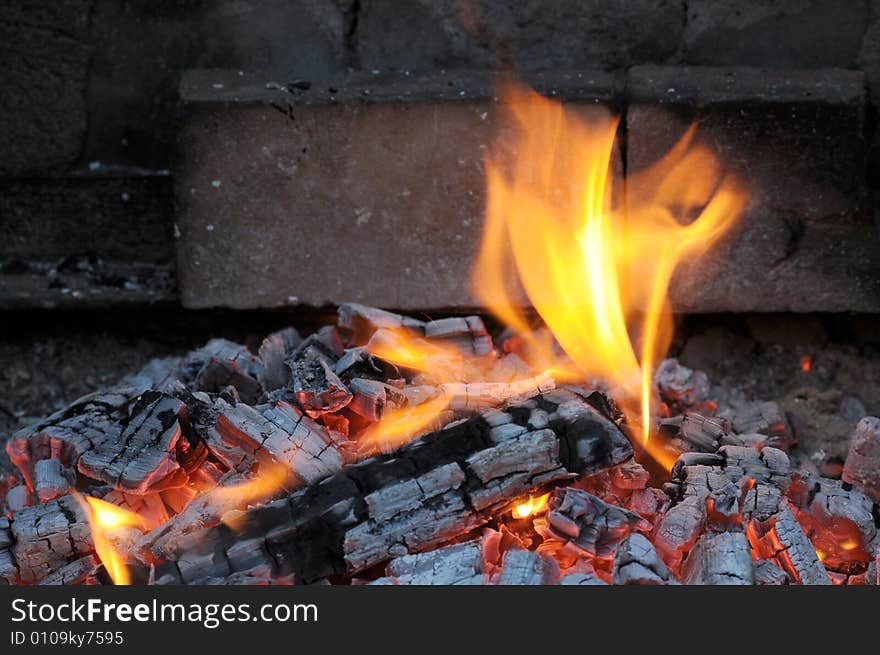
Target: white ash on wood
{"points": [[141, 458], [723, 558], [69, 433], [781, 539], [430, 491], [638, 563], [221, 363]]}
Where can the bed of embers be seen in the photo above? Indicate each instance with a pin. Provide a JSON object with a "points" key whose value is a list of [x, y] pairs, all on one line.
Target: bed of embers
{"points": [[392, 450]]}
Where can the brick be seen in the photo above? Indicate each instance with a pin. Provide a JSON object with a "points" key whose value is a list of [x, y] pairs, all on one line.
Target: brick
{"points": [[44, 60], [784, 33], [424, 34], [371, 193], [807, 241], [140, 50]]}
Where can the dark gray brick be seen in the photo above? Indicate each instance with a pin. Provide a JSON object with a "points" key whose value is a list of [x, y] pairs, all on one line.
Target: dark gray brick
{"points": [[44, 58], [372, 193], [807, 241], [782, 33]]}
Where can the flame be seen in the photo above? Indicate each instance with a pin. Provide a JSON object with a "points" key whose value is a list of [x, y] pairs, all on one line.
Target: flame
{"points": [[806, 363], [442, 362], [596, 271], [106, 521], [399, 426], [531, 507], [268, 481]]}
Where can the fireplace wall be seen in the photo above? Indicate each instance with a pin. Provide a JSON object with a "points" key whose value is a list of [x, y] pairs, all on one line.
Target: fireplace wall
{"points": [[91, 154]]}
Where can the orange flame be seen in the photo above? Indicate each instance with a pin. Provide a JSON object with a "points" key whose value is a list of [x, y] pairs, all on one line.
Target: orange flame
{"points": [[443, 362], [596, 271], [400, 426], [106, 521], [806, 363], [531, 507]]}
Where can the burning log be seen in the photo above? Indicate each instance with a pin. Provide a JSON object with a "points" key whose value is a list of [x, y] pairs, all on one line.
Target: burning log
{"points": [[18, 497], [51, 481], [69, 433], [485, 395], [358, 363], [526, 567], [458, 564], [221, 363], [765, 418], [468, 334], [781, 539], [637, 563], [862, 466], [41, 539], [242, 435], [430, 491], [141, 459], [703, 433], [273, 353], [716, 490], [318, 389], [79, 571], [723, 558], [680, 386], [838, 521], [580, 524], [767, 573], [360, 322]]}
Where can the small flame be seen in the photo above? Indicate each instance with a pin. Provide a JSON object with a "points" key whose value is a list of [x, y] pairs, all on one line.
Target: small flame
{"points": [[531, 507], [442, 362], [806, 363], [596, 271], [269, 480], [399, 426], [106, 521]]}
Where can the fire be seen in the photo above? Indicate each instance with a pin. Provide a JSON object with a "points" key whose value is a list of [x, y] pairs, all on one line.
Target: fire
{"points": [[107, 522], [806, 363], [400, 426], [596, 267], [531, 507]]}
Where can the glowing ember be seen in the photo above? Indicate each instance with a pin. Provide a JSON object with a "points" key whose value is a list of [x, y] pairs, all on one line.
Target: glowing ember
{"points": [[532, 507], [806, 363], [596, 271], [107, 523]]}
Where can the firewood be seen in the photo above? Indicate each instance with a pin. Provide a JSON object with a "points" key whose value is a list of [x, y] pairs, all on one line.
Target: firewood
{"points": [[80, 571], [159, 374], [317, 388], [484, 395], [768, 573], [19, 497], [720, 559], [703, 433], [242, 435], [70, 432], [467, 333], [680, 386], [432, 490], [637, 563], [862, 467], [221, 363], [766, 418], [581, 524], [369, 398], [781, 539], [141, 459], [457, 564], [359, 322], [358, 363], [527, 567], [838, 521], [731, 482], [50, 480], [273, 353], [46, 537], [8, 567]]}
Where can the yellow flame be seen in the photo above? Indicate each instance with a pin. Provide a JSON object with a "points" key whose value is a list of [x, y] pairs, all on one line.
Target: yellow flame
{"points": [[531, 507], [595, 269], [400, 426], [106, 521]]}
